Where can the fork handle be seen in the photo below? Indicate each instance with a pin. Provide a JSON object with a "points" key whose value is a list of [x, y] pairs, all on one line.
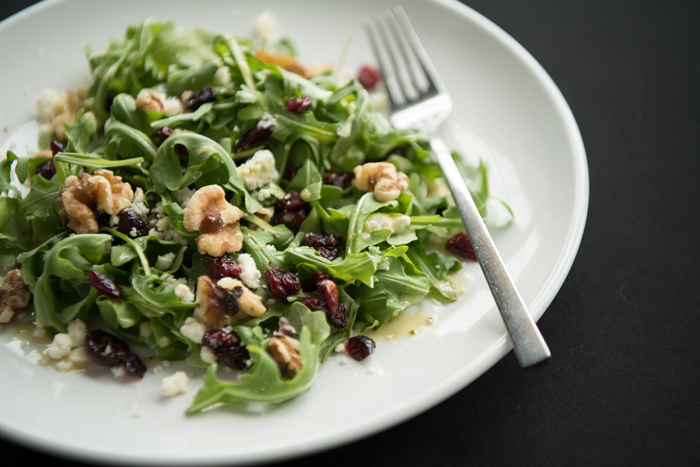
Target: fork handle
{"points": [[530, 348]]}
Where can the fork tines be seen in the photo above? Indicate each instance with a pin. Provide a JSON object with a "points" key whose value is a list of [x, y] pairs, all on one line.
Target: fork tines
{"points": [[408, 73]]}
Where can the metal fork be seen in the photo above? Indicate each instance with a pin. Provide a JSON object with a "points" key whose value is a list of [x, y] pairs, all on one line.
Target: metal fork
{"points": [[419, 100]]}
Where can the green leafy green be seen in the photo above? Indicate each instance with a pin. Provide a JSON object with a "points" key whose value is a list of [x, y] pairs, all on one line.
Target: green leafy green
{"points": [[378, 273], [264, 382]]}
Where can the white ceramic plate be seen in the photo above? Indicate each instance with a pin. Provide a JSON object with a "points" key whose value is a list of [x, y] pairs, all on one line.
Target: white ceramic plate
{"points": [[507, 111]]}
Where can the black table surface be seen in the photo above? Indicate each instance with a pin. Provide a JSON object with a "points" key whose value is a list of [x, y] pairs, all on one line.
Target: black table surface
{"points": [[623, 385]]}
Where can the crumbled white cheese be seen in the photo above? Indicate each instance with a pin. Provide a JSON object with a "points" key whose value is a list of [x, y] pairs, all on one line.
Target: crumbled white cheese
{"points": [[265, 26], [139, 203], [259, 170], [78, 355], [172, 106], [118, 371], [183, 196], [77, 331], [249, 271], [183, 292], [49, 105], [193, 329], [163, 262], [264, 194], [64, 365], [60, 347], [339, 348], [386, 221], [163, 224], [222, 76], [207, 355], [160, 226], [379, 101], [175, 384]]}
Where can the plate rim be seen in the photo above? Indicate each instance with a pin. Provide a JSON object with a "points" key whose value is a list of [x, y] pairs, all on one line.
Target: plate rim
{"points": [[445, 389]]}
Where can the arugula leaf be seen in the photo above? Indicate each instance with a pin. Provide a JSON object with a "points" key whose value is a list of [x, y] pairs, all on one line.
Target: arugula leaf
{"points": [[307, 175], [79, 134], [39, 208], [264, 382], [72, 257], [203, 155], [435, 267], [33, 261], [5, 171], [387, 298], [354, 267], [357, 239], [122, 140]]}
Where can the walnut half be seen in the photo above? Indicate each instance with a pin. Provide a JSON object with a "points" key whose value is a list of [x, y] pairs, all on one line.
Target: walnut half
{"points": [[216, 220], [285, 349], [227, 302], [82, 196], [382, 178], [14, 295]]}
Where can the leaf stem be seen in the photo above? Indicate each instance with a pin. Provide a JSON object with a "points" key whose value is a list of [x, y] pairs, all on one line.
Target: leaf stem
{"points": [[132, 244]]}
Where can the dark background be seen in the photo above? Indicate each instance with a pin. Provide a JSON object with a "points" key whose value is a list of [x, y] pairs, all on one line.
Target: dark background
{"points": [[623, 386]]}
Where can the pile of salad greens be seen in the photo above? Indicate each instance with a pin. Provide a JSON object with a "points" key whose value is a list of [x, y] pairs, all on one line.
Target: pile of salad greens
{"points": [[378, 273]]}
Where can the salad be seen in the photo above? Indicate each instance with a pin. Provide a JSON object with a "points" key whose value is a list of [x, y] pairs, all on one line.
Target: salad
{"points": [[209, 199]]}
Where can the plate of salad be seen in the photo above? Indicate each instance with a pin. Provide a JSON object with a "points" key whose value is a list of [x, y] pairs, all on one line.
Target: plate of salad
{"points": [[215, 247]]}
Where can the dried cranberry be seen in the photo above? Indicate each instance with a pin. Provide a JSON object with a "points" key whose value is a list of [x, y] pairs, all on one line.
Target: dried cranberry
{"points": [[326, 245], [342, 179], [327, 299], [292, 171], [130, 223], [259, 132], [313, 304], [46, 170], [220, 267], [162, 132], [337, 319], [327, 293], [290, 281], [359, 347], [198, 98], [310, 285], [290, 210], [460, 245], [105, 349], [291, 200], [105, 286], [299, 105], [291, 218], [282, 283], [369, 76], [182, 151], [104, 219], [56, 147], [134, 366], [228, 299], [228, 348]]}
